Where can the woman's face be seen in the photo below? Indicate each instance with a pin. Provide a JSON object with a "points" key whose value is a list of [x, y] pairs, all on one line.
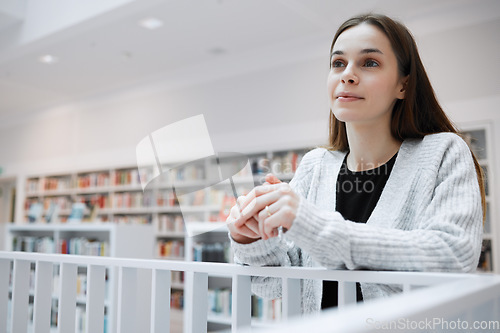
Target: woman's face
{"points": [[364, 81]]}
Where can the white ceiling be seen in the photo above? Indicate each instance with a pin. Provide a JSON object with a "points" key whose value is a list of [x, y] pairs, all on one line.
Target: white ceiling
{"points": [[108, 52]]}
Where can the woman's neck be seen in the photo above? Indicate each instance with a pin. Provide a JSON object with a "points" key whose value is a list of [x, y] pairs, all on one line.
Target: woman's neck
{"points": [[370, 146]]}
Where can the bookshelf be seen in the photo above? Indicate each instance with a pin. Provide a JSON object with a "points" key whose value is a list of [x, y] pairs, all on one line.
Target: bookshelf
{"points": [[116, 194], [479, 137], [84, 239], [113, 200]]}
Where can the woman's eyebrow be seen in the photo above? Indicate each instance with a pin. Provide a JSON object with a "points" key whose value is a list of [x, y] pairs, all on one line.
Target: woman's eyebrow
{"points": [[363, 51]]}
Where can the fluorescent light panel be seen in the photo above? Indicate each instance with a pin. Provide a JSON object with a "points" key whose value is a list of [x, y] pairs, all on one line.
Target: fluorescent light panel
{"points": [[151, 23], [48, 59]]}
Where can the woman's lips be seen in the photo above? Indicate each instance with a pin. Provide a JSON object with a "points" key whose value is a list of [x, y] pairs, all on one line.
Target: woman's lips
{"points": [[348, 97]]}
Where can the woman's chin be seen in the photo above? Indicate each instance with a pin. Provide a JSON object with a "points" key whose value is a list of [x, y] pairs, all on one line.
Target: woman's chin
{"points": [[347, 116]]}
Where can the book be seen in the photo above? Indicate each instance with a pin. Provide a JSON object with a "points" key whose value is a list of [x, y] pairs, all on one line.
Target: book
{"points": [[35, 212], [77, 212], [52, 215]]}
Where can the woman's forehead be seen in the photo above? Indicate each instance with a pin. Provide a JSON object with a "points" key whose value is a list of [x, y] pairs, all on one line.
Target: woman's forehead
{"points": [[362, 36]]}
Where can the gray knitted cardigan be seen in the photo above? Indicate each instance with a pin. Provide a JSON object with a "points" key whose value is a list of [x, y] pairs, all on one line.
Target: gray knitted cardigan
{"points": [[428, 218]]}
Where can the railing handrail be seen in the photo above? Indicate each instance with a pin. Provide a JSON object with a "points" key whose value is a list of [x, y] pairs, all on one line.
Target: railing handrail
{"points": [[455, 291], [225, 269], [428, 309]]}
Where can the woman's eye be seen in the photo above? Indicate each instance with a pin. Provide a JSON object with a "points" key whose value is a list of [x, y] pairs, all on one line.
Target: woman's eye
{"points": [[337, 64], [371, 63]]}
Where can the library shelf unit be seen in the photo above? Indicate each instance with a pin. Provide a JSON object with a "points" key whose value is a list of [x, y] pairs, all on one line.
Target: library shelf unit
{"points": [[114, 197], [479, 137], [127, 241], [115, 194]]}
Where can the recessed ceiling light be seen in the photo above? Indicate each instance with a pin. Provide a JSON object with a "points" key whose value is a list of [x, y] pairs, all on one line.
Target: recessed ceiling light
{"points": [[217, 51], [151, 23], [127, 55], [48, 59]]}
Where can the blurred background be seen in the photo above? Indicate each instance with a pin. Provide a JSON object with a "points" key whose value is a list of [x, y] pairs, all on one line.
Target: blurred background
{"points": [[82, 82]]}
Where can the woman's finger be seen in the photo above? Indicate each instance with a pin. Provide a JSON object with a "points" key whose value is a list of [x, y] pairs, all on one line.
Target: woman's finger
{"points": [[261, 224], [265, 197], [256, 192], [267, 212], [253, 225], [247, 232], [279, 214], [259, 203], [271, 225], [234, 213], [272, 179]]}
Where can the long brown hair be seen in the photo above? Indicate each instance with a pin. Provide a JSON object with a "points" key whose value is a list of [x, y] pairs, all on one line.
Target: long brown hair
{"points": [[419, 113]]}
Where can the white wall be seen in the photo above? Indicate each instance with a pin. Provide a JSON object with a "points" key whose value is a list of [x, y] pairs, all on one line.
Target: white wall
{"points": [[255, 111]]}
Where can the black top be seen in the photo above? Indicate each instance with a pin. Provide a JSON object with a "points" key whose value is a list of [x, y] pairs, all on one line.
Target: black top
{"points": [[357, 194]]}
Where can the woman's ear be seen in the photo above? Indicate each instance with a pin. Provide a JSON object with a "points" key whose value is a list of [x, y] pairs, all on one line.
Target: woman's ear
{"points": [[402, 87]]}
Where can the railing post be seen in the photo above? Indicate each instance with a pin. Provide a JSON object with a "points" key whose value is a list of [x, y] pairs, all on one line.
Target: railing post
{"points": [[127, 300], [407, 288], [347, 293], [496, 304], [43, 297], [196, 302], [241, 306], [160, 301], [94, 318], [291, 298], [67, 298], [4, 291], [20, 295]]}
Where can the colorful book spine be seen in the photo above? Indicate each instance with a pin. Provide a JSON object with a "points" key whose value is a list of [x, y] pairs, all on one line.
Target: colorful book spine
{"points": [[266, 310], [212, 252], [56, 183], [33, 244], [127, 177], [219, 301], [83, 246], [177, 299], [132, 219], [170, 223], [170, 249], [100, 179]]}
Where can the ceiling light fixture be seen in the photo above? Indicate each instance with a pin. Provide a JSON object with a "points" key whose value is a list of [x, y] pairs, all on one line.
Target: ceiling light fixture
{"points": [[217, 51], [48, 59], [127, 55], [151, 23]]}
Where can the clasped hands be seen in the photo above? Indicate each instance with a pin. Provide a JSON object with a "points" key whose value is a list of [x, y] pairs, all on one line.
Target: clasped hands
{"points": [[260, 213]]}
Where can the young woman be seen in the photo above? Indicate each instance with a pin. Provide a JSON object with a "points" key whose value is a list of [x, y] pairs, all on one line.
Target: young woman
{"points": [[397, 188]]}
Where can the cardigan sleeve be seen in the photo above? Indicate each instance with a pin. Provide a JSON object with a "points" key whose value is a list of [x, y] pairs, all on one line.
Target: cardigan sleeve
{"points": [[276, 251], [443, 235]]}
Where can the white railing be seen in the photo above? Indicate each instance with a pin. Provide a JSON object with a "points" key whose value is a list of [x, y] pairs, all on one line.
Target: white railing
{"points": [[468, 298]]}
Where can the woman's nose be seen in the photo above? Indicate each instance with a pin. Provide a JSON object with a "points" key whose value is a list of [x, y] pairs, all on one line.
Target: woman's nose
{"points": [[348, 76]]}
